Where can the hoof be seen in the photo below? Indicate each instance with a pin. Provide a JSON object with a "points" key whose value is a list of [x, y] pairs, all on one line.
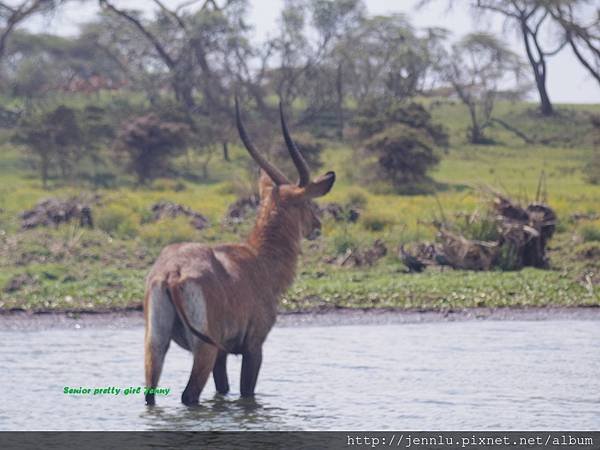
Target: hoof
{"points": [[188, 400], [150, 400]]}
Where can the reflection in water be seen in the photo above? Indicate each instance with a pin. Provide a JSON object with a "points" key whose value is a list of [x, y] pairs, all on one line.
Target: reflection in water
{"points": [[239, 413], [455, 375]]}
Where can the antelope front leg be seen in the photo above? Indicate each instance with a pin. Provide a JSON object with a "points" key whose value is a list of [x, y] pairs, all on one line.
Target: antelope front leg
{"points": [[204, 361], [251, 361], [220, 373]]}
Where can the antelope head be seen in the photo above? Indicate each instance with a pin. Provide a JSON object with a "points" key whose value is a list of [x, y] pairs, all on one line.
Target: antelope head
{"points": [[279, 196]]}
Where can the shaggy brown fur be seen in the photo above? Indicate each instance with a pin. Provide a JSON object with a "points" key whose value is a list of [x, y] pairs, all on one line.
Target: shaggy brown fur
{"points": [[223, 299]]}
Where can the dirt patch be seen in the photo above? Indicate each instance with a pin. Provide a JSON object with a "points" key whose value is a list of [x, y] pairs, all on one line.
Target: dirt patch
{"points": [[171, 210], [360, 258], [241, 209], [54, 211], [339, 213]]}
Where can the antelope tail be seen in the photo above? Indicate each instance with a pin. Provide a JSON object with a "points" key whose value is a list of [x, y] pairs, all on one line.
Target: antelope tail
{"points": [[174, 294]]}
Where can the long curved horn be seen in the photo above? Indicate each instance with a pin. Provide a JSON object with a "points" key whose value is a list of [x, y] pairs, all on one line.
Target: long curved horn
{"points": [[274, 173], [297, 157]]}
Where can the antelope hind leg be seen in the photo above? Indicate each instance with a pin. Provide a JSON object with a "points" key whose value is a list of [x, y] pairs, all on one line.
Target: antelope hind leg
{"points": [[220, 373], [160, 317], [251, 361], [204, 362]]}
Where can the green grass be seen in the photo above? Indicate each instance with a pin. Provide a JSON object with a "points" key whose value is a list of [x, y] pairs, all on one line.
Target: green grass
{"points": [[73, 269]]}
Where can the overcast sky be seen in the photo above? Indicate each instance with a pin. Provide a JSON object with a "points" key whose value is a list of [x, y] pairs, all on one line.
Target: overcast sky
{"points": [[568, 81]]}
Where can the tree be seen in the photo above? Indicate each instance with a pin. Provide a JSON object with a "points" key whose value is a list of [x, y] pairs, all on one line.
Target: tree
{"points": [[12, 16], [476, 68], [38, 65], [529, 18], [309, 65], [404, 156], [403, 141], [148, 142], [54, 137], [384, 56], [196, 47], [200, 49], [581, 28]]}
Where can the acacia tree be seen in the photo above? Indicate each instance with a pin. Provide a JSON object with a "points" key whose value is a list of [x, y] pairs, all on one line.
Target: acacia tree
{"points": [[581, 28], [147, 142], [193, 46], [36, 65], [53, 136], [476, 68], [11, 16], [530, 18], [202, 50], [305, 59]]}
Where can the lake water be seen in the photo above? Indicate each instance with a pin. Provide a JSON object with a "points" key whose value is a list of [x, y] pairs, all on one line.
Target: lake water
{"points": [[480, 375]]}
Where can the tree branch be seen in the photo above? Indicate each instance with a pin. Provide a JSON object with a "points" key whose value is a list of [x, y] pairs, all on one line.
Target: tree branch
{"points": [[170, 62], [171, 13], [496, 9], [16, 16], [516, 131]]}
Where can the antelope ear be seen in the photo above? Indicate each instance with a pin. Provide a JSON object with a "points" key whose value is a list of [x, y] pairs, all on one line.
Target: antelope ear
{"points": [[320, 186], [265, 184]]}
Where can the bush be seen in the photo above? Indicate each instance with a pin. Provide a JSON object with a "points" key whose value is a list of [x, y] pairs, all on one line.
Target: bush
{"points": [[404, 155], [53, 136], [401, 140], [343, 242], [118, 221], [148, 142], [479, 228], [376, 115]]}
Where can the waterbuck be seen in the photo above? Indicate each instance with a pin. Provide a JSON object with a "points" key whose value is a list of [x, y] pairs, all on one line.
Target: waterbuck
{"points": [[223, 299]]}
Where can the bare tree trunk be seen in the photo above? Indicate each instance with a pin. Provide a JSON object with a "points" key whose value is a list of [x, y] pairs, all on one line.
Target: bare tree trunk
{"points": [[44, 170], [340, 100], [545, 104], [514, 130], [539, 67], [226, 151]]}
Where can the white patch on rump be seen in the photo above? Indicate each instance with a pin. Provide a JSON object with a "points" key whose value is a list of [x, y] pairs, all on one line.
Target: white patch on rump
{"points": [[195, 308], [161, 315]]}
